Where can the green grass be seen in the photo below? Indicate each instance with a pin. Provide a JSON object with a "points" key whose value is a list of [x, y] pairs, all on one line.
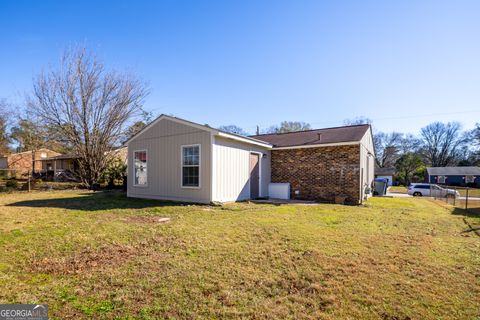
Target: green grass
{"points": [[472, 192], [103, 256]]}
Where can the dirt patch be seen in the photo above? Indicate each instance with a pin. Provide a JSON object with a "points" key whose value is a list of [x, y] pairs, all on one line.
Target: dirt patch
{"points": [[85, 260], [146, 219]]}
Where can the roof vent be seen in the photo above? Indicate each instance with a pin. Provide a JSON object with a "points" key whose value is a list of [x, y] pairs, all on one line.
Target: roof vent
{"points": [[319, 136]]}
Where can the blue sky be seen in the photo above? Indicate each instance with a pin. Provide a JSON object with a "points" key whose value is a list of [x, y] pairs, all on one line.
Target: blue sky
{"points": [[403, 64]]}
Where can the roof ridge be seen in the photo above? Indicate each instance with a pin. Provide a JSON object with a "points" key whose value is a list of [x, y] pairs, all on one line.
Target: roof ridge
{"points": [[192, 123], [310, 130], [454, 167]]}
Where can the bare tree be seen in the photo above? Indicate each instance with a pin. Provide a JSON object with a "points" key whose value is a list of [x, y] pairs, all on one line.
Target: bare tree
{"points": [[233, 129], [5, 119], [90, 106], [289, 126], [409, 143], [474, 135], [441, 143], [137, 126], [357, 121], [470, 151], [387, 147]]}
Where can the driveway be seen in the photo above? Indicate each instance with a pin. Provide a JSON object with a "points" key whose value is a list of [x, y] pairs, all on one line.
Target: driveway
{"points": [[397, 195]]}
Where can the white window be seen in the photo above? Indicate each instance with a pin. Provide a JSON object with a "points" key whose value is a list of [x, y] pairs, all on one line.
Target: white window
{"points": [[469, 179], [441, 179], [191, 166], [43, 155], [140, 162]]}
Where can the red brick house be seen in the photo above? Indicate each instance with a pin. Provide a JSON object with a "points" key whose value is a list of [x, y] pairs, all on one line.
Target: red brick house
{"points": [[22, 163], [63, 163], [332, 164]]}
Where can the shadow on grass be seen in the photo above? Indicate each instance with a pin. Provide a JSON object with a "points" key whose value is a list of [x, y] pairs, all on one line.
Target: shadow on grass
{"points": [[95, 201], [471, 213]]}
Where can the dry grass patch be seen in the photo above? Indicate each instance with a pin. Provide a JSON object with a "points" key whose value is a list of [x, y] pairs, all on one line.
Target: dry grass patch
{"points": [[146, 219], [86, 260]]}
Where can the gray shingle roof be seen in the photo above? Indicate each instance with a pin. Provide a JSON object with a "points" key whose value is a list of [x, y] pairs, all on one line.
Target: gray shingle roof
{"points": [[454, 171], [315, 137]]}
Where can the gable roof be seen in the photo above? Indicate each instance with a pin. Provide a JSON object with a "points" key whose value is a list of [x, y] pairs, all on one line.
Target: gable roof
{"points": [[6, 155], [218, 132], [454, 171], [334, 135]]}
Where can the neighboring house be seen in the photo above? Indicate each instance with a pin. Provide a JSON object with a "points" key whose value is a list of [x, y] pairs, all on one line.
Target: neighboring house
{"points": [[454, 176], [58, 164], [21, 163], [61, 163], [120, 153], [385, 173], [175, 159]]}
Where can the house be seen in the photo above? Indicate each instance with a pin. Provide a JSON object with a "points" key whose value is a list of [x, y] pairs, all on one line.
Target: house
{"points": [[59, 164], [454, 176], [65, 163], [385, 173], [22, 163], [175, 159], [324, 164]]}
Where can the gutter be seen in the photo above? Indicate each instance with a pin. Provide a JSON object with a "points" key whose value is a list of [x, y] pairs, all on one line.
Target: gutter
{"points": [[351, 143]]}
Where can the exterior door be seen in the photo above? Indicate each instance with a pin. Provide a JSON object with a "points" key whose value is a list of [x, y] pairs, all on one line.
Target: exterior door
{"points": [[254, 176]]}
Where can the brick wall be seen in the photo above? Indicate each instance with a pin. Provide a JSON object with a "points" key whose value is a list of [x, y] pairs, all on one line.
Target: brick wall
{"points": [[22, 162], [319, 173]]}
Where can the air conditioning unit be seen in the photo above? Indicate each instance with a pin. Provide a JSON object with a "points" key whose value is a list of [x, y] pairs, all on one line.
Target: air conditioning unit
{"points": [[279, 191]]}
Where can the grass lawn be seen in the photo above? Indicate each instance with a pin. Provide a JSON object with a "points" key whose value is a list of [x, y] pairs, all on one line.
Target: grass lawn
{"points": [[398, 189], [472, 192], [105, 256]]}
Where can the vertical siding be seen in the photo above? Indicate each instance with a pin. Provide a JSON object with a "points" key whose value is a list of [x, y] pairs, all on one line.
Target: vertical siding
{"points": [[367, 163], [163, 143], [231, 174]]}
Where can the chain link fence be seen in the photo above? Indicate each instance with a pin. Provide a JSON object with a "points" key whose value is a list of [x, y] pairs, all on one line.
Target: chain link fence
{"points": [[460, 197]]}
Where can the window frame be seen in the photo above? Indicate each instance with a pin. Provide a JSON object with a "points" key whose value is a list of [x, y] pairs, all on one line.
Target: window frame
{"points": [[442, 179], [182, 147], [146, 158]]}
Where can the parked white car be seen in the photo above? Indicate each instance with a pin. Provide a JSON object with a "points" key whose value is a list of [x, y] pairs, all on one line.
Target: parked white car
{"points": [[430, 190]]}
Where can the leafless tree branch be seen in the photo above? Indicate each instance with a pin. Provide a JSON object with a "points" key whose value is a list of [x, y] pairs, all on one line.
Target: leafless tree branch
{"points": [[89, 106]]}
